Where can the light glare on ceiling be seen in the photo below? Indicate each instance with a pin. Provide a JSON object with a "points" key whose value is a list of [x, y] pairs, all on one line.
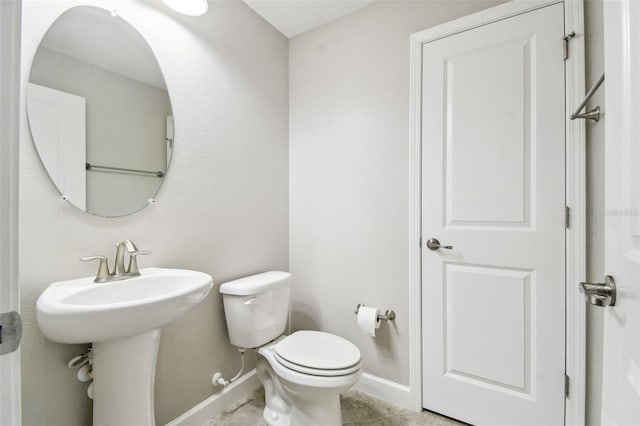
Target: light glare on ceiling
{"points": [[188, 7]]}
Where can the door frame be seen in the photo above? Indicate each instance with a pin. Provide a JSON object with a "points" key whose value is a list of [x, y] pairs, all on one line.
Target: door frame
{"points": [[575, 190], [10, 24]]}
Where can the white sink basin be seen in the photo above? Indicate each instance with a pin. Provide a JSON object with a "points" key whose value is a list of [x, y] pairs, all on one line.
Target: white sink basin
{"points": [[122, 320], [81, 311]]}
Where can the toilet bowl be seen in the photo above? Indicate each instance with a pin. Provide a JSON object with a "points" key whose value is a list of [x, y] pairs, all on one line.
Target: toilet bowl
{"points": [[303, 374], [318, 367]]}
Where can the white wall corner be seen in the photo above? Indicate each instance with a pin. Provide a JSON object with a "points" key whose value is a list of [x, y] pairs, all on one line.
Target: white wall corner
{"points": [[386, 390], [203, 413]]}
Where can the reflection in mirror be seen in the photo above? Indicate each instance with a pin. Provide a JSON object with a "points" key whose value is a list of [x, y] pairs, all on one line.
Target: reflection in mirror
{"points": [[99, 113]]}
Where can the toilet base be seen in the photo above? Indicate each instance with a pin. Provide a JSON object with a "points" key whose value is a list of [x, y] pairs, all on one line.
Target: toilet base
{"points": [[297, 399], [273, 418], [318, 413], [325, 412]]}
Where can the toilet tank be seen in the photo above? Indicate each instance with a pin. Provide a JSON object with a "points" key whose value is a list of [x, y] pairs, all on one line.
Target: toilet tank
{"points": [[256, 308]]}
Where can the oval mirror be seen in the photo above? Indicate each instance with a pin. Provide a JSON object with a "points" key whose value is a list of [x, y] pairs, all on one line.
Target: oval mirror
{"points": [[99, 112]]}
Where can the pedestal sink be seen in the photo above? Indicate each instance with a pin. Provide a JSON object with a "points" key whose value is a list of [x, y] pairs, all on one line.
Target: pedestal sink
{"points": [[122, 319]]}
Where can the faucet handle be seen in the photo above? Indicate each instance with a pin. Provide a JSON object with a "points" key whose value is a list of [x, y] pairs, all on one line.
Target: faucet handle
{"points": [[133, 261], [103, 267]]}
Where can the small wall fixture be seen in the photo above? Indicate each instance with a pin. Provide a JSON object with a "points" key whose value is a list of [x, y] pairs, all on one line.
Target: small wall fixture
{"points": [[594, 114], [389, 314], [188, 7]]}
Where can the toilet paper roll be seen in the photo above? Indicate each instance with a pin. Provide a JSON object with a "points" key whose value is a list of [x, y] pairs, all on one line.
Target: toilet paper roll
{"points": [[368, 320]]}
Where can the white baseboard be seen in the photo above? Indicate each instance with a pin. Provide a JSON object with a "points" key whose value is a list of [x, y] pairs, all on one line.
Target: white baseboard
{"points": [[202, 413], [386, 390]]}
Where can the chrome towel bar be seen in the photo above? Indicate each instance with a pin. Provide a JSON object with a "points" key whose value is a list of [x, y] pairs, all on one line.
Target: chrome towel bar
{"points": [[89, 166], [594, 114]]}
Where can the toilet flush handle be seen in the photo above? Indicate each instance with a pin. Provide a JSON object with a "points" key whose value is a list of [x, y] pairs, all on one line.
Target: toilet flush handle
{"points": [[250, 301]]}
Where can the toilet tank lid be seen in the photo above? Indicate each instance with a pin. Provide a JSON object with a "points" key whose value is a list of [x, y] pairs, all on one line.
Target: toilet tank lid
{"points": [[255, 284]]}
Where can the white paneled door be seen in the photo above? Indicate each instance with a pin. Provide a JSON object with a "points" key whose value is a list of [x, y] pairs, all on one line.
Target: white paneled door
{"points": [[621, 352], [493, 182]]}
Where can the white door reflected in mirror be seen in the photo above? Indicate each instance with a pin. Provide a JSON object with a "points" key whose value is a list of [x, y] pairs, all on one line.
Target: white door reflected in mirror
{"points": [[58, 122]]}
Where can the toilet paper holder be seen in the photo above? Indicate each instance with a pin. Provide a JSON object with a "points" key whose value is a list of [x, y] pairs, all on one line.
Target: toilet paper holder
{"points": [[389, 314]]}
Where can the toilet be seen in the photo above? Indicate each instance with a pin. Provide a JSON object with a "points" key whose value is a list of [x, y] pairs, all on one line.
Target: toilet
{"points": [[304, 373]]}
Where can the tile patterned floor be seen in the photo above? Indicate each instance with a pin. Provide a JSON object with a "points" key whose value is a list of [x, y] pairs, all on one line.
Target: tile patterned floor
{"points": [[358, 409]]}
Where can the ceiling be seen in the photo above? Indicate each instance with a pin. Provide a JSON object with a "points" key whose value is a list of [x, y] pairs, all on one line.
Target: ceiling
{"points": [[293, 17]]}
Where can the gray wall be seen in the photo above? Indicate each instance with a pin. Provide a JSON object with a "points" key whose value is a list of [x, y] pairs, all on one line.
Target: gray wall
{"points": [[222, 209], [594, 43], [349, 129], [126, 127]]}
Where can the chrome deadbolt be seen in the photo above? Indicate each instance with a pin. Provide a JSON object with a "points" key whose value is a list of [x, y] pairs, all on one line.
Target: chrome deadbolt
{"points": [[434, 244]]}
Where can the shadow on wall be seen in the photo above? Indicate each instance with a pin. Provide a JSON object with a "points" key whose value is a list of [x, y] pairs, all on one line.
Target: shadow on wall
{"points": [[383, 339], [304, 317]]}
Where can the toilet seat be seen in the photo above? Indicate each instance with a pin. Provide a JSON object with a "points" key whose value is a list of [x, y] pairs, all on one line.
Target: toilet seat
{"points": [[317, 353], [314, 371]]}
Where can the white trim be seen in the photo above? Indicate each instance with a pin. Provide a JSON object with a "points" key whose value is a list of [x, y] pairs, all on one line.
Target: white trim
{"points": [[415, 225], [576, 328], [208, 409], [10, 19], [575, 194], [484, 17], [386, 390]]}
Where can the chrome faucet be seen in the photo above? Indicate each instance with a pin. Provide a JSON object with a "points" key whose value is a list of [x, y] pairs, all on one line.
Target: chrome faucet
{"points": [[131, 248], [119, 271]]}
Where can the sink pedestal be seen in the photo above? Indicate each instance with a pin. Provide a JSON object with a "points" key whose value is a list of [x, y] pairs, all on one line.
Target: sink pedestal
{"points": [[123, 380]]}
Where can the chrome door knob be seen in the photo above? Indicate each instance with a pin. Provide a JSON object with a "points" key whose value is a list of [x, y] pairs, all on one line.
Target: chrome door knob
{"points": [[434, 244], [600, 294]]}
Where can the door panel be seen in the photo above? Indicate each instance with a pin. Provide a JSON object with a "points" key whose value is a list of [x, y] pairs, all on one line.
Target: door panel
{"points": [[473, 196], [621, 346], [493, 144], [497, 358], [10, 412]]}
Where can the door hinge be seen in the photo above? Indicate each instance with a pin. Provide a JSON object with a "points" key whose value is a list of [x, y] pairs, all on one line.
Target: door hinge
{"points": [[420, 242], [567, 217], [565, 44], [10, 332], [567, 386]]}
